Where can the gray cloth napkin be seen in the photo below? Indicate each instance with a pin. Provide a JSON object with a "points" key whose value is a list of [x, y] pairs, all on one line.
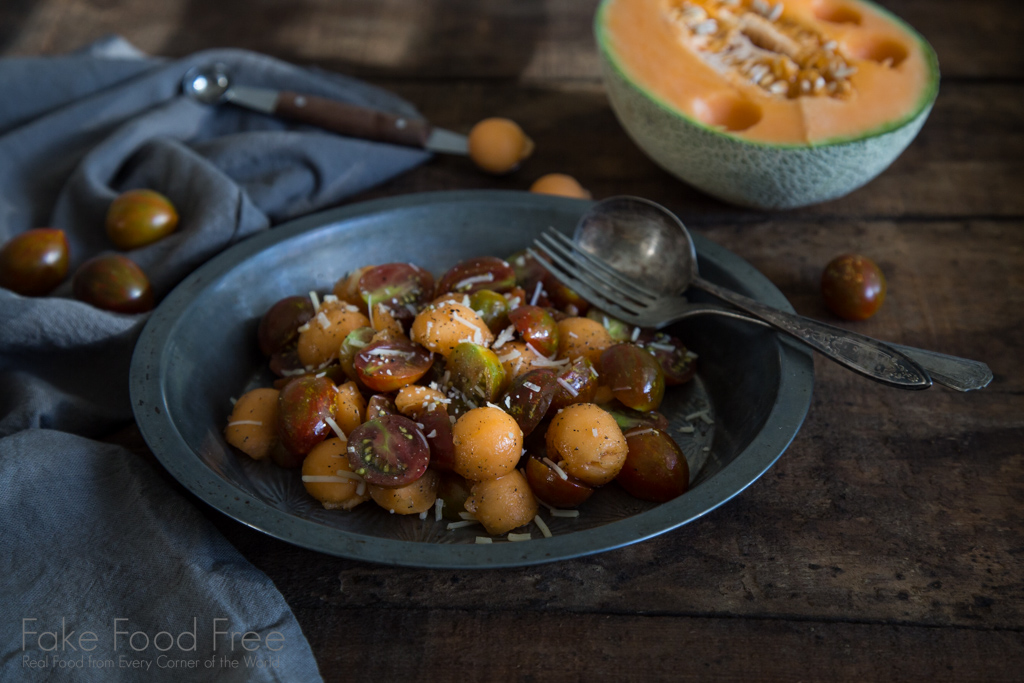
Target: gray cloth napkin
{"points": [[90, 534]]}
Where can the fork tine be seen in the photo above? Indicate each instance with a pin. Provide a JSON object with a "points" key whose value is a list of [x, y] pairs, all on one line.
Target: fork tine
{"points": [[594, 297], [603, 266], [572, 276], [581, 273]]}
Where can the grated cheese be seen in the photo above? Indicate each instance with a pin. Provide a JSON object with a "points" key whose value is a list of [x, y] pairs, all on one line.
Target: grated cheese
{"points": [[438, 505], [531, 386], [335, 428], [506, 335], [484, 540], [636, 334], [542, 526], [461, 525], [568, 387], [536, 294], [486, 277], [662, 347], [519, 537], [322, 319], [258, 423], [564, 513], [316, 300], [646, 430], [459, 319], [558, 470]]}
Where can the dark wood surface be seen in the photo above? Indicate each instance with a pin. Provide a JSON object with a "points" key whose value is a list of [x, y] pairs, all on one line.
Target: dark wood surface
{"points": [[888, 541]]}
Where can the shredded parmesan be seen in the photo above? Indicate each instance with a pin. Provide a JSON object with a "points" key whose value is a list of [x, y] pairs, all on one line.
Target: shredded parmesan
{"points": [[542, 526], [432, 434], [335, 428], [304, 327], [361, 489], [558, 470], [519, 537], [646, 430], [486, 277], [542, 362], [258, 423], [315, 299], [594, 432], [536, 294], [691, 355], [511, 355], [358, 343], [345, 474], [467, 515], [636, 334], [438, 505], [688, 429], [322, 319], [531, 386], [330, 298], [324, 479], [459, 319], [564, 513], [483, 540], [506, 335], [574, 335], [461, 525], [568, 387], [662, 347]]}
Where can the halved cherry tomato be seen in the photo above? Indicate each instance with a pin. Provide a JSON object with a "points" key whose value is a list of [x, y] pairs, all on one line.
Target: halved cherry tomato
{"points": [[390, 364], [388, 451]]}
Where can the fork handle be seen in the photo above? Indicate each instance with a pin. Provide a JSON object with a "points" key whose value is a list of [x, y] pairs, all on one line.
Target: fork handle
{"points": [[862, 354]]}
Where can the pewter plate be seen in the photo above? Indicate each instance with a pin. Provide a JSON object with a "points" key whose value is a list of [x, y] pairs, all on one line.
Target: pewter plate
{"points": [[198, 350]]}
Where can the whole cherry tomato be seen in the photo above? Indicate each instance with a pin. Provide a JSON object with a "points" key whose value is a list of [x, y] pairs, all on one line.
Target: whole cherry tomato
{"points": [[139, 217], [853, 287], [113, 283], [34, 262]]}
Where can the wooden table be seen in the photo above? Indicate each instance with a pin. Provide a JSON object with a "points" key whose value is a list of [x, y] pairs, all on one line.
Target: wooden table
{"points": [[886, 544]]}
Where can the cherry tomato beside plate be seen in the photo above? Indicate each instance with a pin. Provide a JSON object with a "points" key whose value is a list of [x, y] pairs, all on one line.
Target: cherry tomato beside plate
{"points": [[34, 262], [853, 287], [113, 283], [139, 217]]}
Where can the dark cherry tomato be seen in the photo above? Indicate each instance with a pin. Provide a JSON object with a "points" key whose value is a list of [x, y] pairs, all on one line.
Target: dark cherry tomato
{"points": [[633, 375], [491, 307], [529, 271], [529, 398], [113, 283], [279, 326], [402, 287], [139, 217], [356, 341], [853, 287], [580, 376], [476, 372], [485, 272], [565, 299], [303, 407], [627, 418], [618, 330], [390, 364], [655, 468], [34, 262], [454, 491], [380, 405], [285, 363], [388, 451], [438, 430], [549, 486], [537, 328], [678, 364]]}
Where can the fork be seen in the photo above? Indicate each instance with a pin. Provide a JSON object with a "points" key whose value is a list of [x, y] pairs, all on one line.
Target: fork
{"points": [[622, 297]]}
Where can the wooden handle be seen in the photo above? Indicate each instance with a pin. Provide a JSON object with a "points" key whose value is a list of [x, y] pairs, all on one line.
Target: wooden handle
{"points": [[352, 120]]}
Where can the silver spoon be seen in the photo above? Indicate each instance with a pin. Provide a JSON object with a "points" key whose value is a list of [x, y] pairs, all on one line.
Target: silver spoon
{"points": [[649, 244], [211, 84]]}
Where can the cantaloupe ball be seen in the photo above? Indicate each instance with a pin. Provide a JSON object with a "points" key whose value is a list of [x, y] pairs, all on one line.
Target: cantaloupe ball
{"points": [[325, 461], [414, 399], [325, 332], [350, 407], [589, 442], [498, 145], [582, 337], [559, 184], [252, 426], [488, 443], [442, 328], [411, 499], [504, 503]]}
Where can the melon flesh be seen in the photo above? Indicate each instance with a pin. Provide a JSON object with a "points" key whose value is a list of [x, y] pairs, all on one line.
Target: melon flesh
{"points": [[717, 129], [651, 48]]}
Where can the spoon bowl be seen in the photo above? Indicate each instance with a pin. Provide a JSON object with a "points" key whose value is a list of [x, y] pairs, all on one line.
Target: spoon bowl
{"points": [[641, 240], [208, 84]]}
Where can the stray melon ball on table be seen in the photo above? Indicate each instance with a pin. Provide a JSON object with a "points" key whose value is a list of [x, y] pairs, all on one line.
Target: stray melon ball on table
{"points": [[498, 145], [481, 396], [559, 184]]}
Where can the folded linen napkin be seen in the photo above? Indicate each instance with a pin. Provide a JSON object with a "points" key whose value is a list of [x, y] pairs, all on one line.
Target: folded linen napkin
{"points": [[91, 535]]}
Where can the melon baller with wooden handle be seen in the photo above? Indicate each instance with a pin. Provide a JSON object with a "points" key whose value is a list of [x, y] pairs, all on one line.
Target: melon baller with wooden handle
{"points": [[211, 84]]}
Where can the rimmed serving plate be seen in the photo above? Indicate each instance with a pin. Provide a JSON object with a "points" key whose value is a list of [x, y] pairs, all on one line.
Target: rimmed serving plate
{"points": [[198, 350]]}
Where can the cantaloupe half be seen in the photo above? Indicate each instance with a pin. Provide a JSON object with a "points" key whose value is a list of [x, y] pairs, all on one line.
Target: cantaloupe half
{"points": [[768, 105]]}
